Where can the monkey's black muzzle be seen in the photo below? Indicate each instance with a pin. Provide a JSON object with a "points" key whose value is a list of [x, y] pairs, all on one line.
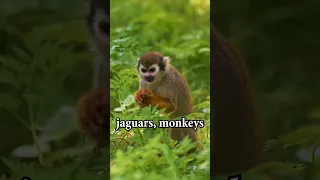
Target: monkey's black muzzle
{"points": [[149, 78]]}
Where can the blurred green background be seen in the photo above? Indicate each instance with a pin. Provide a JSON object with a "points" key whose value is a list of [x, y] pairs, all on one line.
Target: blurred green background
{"points": [[280, 43], [45, 66]]}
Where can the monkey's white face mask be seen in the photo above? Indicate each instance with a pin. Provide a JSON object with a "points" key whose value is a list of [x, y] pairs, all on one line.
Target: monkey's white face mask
{"points": [[101, 37], [149, 74]]}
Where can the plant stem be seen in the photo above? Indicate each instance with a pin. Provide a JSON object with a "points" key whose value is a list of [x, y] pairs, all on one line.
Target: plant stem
{"points": [[39, 113], [121, 141], [36, 142], [119, 99], [20, 119], [33, 131], [313, 158], [141, 136]]}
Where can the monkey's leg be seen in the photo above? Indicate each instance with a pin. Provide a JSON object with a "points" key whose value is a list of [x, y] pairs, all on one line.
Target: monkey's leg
{"points": [[179, 134]]}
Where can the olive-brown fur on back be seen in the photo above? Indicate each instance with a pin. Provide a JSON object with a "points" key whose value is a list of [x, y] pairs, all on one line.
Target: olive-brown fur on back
{"points": [[237, 143]]}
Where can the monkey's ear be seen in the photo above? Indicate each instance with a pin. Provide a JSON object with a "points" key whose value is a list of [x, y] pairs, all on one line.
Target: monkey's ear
{"points": [[138, 63], [166, 60]]}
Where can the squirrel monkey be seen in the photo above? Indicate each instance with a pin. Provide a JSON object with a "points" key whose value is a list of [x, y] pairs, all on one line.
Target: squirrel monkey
{"points": [[163, 86]]}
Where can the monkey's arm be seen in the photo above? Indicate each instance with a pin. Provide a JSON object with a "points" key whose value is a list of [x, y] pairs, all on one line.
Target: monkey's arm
{"points": [[162, 103], [145, 97]]}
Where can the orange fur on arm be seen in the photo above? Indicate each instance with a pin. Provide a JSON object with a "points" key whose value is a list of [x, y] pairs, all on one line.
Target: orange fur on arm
{"points": [[145, 97], [162, 103]]}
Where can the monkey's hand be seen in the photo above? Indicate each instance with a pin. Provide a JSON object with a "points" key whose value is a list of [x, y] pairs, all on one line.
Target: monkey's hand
{"points": [[93, 115], [142, 97], [145, 97]]}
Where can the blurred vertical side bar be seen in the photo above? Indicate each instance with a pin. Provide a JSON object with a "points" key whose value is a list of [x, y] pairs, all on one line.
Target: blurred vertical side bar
{"points": [[94, 107], [236, 143], [98, 23], [99, 27]]}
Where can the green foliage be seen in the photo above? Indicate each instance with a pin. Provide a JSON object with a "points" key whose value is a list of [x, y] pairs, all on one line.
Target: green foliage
{"points": [[137, 27], [67, 171], [304, 138], [280, 169], [158, 161], [45, 65], [278, 40], [44, 60]]}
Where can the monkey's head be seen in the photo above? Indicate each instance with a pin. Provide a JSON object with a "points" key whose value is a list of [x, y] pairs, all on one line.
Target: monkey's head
{"points": [[152, 66], [98, 24]]}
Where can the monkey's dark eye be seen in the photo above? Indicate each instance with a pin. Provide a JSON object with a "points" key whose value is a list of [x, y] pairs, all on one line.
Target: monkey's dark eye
{"points": [[105, 27], [152, 69], [143, 70]]}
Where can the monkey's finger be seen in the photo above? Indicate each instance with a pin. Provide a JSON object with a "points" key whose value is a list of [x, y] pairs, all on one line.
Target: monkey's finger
{"points": [[138, 100], [148, 92], [143, 97]]}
